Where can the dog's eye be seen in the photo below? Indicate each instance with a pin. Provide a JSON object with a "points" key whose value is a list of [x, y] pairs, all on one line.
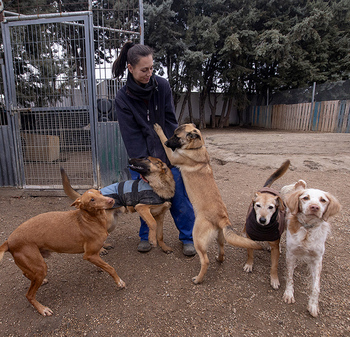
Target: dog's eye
{"points": [[270, 207], [257, 205], [306, 198], [323, 200], [92, 199]]}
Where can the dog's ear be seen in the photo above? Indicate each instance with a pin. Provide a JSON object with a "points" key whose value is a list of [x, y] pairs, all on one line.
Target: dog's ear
{"points": [[333, 207], [256, 195], [301, 184], [292, 201], [193, 135], [280, 204], [165, 167], [77, 203]]}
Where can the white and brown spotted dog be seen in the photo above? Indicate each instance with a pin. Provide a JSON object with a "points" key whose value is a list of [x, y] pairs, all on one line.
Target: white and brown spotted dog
{"points": [[307, 228]]}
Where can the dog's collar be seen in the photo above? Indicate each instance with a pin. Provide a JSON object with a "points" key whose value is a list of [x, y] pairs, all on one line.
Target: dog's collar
{"points": [[195, 148], [307, 225]]}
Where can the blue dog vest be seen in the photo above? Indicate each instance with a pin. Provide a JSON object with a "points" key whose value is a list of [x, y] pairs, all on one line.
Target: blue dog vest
{"points": [[131, 193]]}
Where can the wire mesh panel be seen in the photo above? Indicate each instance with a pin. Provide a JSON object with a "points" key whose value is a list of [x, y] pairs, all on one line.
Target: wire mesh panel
{"points": [[8, 172], [115, 22], [59, 58], [53, 99]]}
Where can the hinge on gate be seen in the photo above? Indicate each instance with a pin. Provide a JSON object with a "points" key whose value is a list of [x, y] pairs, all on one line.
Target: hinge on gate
{"points": [[14, 110]]}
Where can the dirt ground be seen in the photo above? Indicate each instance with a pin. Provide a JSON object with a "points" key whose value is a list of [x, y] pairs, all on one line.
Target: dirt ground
{"points": [[160, 299]]}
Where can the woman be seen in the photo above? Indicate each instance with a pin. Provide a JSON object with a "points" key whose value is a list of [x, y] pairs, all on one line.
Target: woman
{"points": [[146, 99]]}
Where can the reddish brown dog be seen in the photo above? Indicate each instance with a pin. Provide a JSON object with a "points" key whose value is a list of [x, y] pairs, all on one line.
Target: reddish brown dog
{"points": [[74, 232]]}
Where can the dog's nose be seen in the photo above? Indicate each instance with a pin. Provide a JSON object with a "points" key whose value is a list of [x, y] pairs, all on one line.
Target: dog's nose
{"points": [[262, 220], [314, 208]]}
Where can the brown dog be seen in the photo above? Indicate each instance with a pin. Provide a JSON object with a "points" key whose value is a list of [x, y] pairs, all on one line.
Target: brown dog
{"points": [[186, 150], [149, 197], [266, 222], [74, 232]]}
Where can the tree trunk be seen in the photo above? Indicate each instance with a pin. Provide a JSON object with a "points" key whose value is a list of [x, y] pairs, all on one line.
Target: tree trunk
{"points": [[183, 105], [213, 109], [224, 118], [223, 111], [189, 102], [202, 99]]}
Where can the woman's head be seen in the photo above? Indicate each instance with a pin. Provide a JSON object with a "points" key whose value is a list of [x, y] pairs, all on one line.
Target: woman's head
{"points": [[139, 60]]}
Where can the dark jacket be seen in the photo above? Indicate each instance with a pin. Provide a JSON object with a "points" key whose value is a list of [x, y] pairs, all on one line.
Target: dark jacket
{"points": [[273, 230], [136, 118]]}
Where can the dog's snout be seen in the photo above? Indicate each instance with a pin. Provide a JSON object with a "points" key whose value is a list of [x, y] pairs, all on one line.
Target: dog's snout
{"points": [[111, 201], [314, 208], [262, 220]]}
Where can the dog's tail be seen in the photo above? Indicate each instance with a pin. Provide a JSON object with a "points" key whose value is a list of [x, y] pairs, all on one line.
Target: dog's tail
{"points": [[277, 174], [239, 241], [3, 248], [68, 189]]}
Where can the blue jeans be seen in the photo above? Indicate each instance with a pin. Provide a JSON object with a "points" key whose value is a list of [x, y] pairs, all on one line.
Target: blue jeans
{"points": [[181, 210]]}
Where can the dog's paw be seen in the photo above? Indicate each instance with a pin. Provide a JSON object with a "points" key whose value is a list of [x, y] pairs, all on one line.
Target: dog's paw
{"points": [[157, 128], [121, 284], [288, 297], [153, 243], [45, 311], [103, 251], [313, 309], [197, 280], [275, 283], [108, 245], [248, 268], [220, 258], [166, 249]]}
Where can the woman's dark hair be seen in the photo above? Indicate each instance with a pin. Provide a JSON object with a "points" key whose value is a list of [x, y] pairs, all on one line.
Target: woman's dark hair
{"points": [[130, 54]]}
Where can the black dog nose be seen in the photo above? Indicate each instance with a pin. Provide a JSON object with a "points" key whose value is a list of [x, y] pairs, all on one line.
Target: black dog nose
{"points": [[262, 220]]}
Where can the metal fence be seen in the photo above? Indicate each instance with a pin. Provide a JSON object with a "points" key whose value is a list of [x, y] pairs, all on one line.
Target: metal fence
{"points": [[57, 104]]}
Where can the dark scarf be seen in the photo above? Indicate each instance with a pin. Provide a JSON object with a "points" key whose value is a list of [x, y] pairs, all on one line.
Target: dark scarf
{"points": [[270, 232], [144, 91]]}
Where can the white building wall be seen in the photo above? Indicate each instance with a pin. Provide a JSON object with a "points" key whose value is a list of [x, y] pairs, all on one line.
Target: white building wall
{"points": [[233, 120]]}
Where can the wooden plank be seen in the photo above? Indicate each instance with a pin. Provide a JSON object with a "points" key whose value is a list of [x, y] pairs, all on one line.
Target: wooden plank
{"points": [[307, 116], [334, 117], [315, 116], [341, 114], [302, 116], [322, 114], [346, 123]]}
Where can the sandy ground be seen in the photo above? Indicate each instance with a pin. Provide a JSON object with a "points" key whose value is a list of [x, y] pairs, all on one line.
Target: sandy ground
{"points": [[160, 299]]}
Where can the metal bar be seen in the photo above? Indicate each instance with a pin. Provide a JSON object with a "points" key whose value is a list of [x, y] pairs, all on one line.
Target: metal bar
{"points": [[11, 103], [20, 17], [108, 28], [142, 25], [89, 40]]}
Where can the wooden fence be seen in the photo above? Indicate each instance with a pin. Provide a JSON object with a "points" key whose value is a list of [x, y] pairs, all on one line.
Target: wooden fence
{"points": [[327, 116]]}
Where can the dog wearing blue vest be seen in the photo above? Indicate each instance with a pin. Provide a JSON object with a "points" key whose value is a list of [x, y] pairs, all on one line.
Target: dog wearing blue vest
{"points": [[149, 196], [266, 222]]}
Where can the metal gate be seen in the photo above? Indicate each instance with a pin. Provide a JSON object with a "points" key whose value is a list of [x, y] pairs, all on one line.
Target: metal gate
{"points": [[50, 73]]}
